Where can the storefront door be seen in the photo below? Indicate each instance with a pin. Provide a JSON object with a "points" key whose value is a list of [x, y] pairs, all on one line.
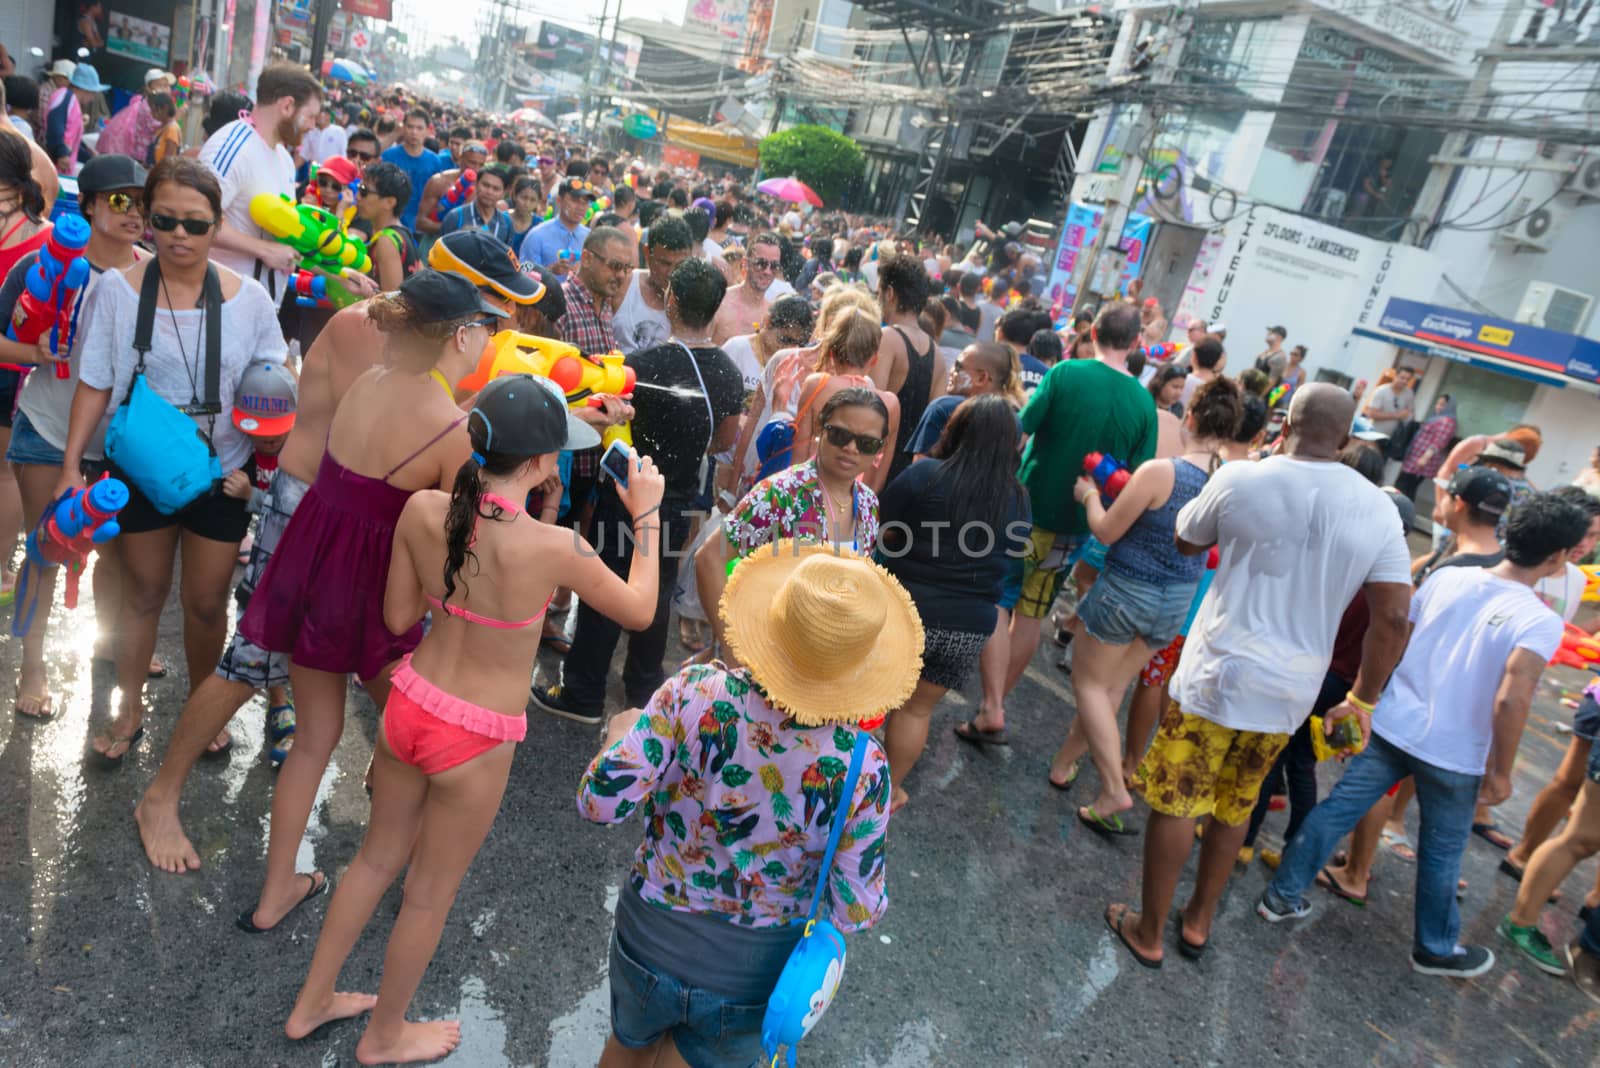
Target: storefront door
{"points": [[1486, 402]]}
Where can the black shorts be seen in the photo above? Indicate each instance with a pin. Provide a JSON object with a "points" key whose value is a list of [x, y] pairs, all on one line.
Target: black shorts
{"points": [[10, 384], [214, 516]]}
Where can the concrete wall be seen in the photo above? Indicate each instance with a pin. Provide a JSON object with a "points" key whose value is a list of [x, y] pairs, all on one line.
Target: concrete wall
{"points": [[25, 25]]}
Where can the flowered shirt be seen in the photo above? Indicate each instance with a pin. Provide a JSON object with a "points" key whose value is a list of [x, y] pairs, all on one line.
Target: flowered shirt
{"points": [[790, 504], [737, 802]]}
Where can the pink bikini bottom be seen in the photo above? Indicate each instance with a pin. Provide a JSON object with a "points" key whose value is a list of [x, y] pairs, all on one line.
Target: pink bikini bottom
{"points": [[435, 731]]}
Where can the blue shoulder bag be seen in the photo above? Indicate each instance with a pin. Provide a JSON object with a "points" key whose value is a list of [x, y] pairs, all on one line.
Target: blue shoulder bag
{"points": [[811, 976], [154, 444]]}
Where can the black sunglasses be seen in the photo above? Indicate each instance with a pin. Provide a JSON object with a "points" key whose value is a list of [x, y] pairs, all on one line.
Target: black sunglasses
{"points": [[359, 156], [193, 227], [839, 437], [762, 264]]}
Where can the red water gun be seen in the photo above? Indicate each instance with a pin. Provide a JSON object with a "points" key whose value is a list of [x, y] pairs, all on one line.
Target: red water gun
{"points": [[66, 534], [1108, 473], [50, 289], [1165, 350], [456, 195]]}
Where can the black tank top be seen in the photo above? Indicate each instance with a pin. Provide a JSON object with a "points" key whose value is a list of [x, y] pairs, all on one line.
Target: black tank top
{"points": [[913, 397]]}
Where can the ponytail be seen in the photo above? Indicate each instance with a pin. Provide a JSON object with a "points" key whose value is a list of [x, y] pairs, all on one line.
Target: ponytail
{"points": [[1011, 385], [459, 522]]}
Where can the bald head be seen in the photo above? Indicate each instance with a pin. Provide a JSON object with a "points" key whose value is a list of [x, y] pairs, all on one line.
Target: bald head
{"points": [[1319, 419]]}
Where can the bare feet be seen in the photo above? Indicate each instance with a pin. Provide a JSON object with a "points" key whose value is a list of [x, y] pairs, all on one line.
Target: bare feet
{"points": [[33, 692], [306, 1018], [416, 1042], [161, 831], [898, 801]]}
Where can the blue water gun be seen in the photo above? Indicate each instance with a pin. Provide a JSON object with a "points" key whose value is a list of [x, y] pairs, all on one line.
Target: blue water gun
{"points": [[65, 535], [50, 289]]}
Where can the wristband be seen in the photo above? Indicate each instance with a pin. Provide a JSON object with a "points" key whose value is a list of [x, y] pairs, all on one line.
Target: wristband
{"points": [[1358, 702], [654, 508]]}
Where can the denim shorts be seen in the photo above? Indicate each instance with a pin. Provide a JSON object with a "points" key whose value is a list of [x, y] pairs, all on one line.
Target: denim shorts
{"points": [[1117, 609], [28, 446], [710, 1031], [1586, 725]]}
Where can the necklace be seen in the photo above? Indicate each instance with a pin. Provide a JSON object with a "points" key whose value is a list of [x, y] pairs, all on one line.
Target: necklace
{"points": [[444, 384], [191, 371], [700, 342]]}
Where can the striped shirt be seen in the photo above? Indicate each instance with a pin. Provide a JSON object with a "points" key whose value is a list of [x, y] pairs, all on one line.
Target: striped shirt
{"points": [[247, 167]]}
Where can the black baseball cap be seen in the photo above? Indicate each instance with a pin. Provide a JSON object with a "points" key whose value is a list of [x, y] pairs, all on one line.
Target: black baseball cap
{"points": [[1483, 488], [525, 415], [439, 297], [112, 171], [577, 187], [486, 261], [553, 305]]}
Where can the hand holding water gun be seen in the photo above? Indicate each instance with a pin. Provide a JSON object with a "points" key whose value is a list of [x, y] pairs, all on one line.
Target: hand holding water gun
{"points": [[1165, 350], [1108, 473], [83, 518], [456, 195], [312, 232], [583, 379], [51, 288]]}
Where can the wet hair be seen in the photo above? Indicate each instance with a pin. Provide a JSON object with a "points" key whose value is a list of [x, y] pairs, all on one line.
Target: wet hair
{"points": [[494, 170], [1045, 345], [577, 167], [387, 125], [979, 449], [852, 259], [670, 233], [393, 313], [854, 397], [386, 179], [162, 105], [852, 338], [623, 195], [1167, 374], [281, 79], [678, 198], [1117, 327], [1018, 325], [1540, 525], [527, 182], [970, 284], [225, 107], [792, 312], [189, 173], [1255, 381], [822, 248], [506, 151], [699, 224], [1252, 418], [1216, 409], [724, 213], [698, 288], [1581, 497], [467, 504], [765, 237], [1208, 353], [1368, 463], [1136, 362], [905, 277], [16, 170]]}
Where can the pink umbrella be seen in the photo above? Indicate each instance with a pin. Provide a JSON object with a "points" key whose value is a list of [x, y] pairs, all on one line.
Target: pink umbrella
{"points": [[791, 189]]}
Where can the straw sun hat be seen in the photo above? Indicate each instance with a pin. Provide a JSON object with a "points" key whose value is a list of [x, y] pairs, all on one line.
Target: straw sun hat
{"points": [[830, 636]]}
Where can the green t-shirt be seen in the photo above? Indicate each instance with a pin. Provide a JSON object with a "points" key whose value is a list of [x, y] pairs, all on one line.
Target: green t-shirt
{"points": [[1082, 406]]}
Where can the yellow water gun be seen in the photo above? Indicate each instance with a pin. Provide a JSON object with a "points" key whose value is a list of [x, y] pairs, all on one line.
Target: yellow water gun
{"points": [[584, 379]]}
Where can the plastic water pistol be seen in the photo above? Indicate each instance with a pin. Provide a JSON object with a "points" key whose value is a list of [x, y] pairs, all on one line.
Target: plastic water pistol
{"points": [[1109, 473], [1165, 350], [51, 287], [74, 525], [315, 233], [584, 379], [456, 195]]}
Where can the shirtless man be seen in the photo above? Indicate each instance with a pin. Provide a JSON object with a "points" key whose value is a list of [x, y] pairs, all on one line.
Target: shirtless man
{"points": [[347, 347], [745, 304], [473, 157]]}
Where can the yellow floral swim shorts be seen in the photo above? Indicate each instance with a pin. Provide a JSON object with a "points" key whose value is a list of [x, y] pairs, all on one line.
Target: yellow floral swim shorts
{"points": [[1195, 767]]}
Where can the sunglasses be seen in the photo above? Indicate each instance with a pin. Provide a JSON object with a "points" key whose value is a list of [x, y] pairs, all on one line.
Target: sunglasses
{"points": [[124, 203], [617, 266], [839, 437], [358, 156], [762, 264], [193, 227], [326, 182], [546, 161]]}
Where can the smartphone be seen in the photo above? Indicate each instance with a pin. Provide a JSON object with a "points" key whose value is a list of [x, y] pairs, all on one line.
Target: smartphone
{"points": [[617, 462]]}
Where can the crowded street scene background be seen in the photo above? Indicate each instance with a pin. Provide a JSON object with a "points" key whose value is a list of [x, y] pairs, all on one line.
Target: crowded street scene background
{"points": [[397, 485]]}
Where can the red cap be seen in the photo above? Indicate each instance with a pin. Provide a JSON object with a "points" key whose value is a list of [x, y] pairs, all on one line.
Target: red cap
{"points": [[341, 169]]}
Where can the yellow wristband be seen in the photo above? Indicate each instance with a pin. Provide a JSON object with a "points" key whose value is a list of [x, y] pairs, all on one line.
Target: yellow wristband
{"points": [[1358, 702]]}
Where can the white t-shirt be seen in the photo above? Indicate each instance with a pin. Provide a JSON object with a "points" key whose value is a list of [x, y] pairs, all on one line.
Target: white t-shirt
{"points": [[319, 146], [175, 365], [1466, 623], [1563, 592], [1386, 399], [1297, 539], [778, 289], [741, 350], [247, 167], [636, 325]]}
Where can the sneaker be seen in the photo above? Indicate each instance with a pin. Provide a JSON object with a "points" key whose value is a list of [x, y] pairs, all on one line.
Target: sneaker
{"points": [[1585, 969], [1467, 962], [551, 700], [1274, 909], [1534, 945], [1270, 857]]}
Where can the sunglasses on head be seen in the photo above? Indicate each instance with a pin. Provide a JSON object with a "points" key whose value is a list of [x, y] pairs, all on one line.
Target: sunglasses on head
{"points": [[193, 227], [763, 264], [487, 322], [839, 437], [124, 203]]}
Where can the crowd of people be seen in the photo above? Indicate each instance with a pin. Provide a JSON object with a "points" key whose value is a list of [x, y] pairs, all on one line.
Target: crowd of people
{"points": [[887, 467]]}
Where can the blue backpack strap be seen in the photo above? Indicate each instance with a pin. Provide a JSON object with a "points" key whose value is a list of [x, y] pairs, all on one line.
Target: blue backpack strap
{"points": [[841, 816]]}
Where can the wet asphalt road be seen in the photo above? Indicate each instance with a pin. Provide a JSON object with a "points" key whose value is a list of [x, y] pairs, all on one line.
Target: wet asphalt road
{"points": [[993, 950]]}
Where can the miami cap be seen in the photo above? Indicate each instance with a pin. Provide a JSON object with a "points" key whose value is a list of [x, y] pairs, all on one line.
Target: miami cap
{"points": [[265, 402]]}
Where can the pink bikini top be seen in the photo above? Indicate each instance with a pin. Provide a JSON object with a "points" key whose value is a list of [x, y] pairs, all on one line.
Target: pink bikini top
{"points": [[473, 617]]}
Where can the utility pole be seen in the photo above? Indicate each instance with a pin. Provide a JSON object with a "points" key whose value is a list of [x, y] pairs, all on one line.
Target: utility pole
{"points": [[594, 60], [781, 101], [319, 40], [1121, 200]]}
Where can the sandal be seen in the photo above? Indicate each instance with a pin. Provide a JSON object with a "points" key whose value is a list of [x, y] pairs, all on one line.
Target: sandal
{"points": [[971, 732], [1326, 880], [1398, 844], [1187, 949], [246, 920], [43, 712], [1493, 835], [1111, 825], [1072, 777], [214, 750], [1116, 929], [128, 742]]}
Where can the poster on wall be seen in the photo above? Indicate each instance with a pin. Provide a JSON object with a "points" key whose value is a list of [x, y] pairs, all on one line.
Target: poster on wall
{"points": [[141, 39], [1083, 223], [728, 19]]}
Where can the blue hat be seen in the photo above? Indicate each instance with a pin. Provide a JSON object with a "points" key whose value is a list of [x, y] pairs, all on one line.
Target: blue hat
{"points": [[85, 76]]}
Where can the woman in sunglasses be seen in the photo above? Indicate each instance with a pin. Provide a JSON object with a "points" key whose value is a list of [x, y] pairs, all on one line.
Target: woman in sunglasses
{"points": [[111, 197], [341, 538], [824, 498], [950, 523], [184, 203]]}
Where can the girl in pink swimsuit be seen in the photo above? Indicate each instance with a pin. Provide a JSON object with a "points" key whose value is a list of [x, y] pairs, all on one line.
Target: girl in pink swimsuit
{"points": [[457, 704]]}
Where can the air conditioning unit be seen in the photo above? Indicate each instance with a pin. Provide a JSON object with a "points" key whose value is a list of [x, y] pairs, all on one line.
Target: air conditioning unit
{"points": [[1533, 225], [1586, 181], [1555, 308]]}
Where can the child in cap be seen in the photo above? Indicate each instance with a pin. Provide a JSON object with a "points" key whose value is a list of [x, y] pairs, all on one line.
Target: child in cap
{"points": [[264, 408]]}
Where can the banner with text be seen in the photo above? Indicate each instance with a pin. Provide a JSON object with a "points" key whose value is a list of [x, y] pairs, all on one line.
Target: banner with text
{"points": [[1083, 223]]}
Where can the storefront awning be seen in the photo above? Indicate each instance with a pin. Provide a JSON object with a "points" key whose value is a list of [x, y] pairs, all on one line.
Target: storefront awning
{"points": [[1548, 357], [729, 146]]}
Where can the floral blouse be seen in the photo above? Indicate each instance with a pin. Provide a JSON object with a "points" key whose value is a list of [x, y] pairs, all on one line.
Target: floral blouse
{"points": [[789, 504], [737, 802]]}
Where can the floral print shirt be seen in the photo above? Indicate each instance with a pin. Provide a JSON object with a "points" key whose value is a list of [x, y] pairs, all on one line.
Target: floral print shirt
{"points": [[737, 802], [790, 504]]}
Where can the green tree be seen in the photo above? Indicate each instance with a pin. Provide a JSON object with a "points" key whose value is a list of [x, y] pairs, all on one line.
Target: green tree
{"points": [[824, 159]]}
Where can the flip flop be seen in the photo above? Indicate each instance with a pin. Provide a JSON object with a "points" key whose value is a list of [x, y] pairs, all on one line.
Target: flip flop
{"points": [[246, 920], [971, 732], [46, 711], [1109, 826], [1398, 844], [1516, 873], [1116, 929], [1493, 835], [213, 751], [116, 761], [1326, 880], [1187, 949], [1072, 777]]}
